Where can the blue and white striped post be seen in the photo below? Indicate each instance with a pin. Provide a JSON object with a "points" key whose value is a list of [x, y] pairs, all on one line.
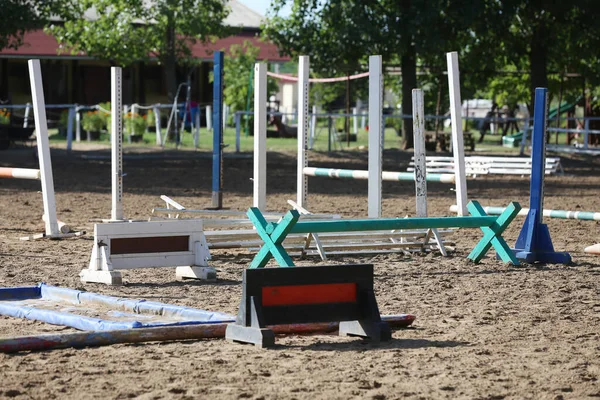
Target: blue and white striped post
{"points": [[217, 167], [534, 243]]}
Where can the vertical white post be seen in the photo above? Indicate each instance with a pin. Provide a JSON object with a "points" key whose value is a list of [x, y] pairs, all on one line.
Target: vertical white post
{"points": [[302, 182], [524, 137], [363, 120], [260, 136], [26, 118], [197, 129], [313, 126], [209, 118], [457, 133], [355, 120], [225, 116], [375, 135], [420, 154], [43, 147], [116, 140], [70, 119], [157, 126], [77, 124]]}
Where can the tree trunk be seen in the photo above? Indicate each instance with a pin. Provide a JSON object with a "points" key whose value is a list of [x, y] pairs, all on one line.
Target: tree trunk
{"points": [[409, 82], [538, 59]]}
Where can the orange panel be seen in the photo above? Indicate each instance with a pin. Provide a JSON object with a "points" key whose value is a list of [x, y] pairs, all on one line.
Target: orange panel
{"points": [[309, 294]]}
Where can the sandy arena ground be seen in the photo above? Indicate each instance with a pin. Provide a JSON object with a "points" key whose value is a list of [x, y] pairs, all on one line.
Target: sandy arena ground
{"points": [[486, 331]]}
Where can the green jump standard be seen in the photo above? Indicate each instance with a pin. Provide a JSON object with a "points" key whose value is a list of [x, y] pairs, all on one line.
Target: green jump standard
{"points": [[273, 234]]}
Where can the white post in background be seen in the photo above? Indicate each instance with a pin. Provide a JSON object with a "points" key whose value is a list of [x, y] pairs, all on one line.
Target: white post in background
{"points": [[197, 129], [363, 120], [157, 126], [209, 118], [355, 120], [260, 136], [225, 116], [77, 124], [26, 118], [375, 135], [125, 127], [116, 140], [302, 182], [43, 147], [421, 165], [70, 119], [524, 137], [457, 133], [313, 126]]}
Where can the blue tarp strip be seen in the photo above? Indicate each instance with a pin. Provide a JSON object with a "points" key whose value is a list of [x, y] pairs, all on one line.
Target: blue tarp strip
{"points": [[43, 291]]}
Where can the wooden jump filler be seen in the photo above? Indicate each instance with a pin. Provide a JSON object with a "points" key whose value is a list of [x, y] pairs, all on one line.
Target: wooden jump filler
{"points": [[534, 243], [273, 234], [276, 296], [148, 244]]}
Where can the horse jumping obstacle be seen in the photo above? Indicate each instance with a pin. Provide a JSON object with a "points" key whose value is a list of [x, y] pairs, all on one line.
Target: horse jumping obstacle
{"points": [[148, 244], [273, 234], [54, 229], [561, 214]]}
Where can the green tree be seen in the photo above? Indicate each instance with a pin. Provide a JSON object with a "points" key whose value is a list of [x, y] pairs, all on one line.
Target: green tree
{"points": [[239, 77], [340, 34], [129, 31], [20, 16]]}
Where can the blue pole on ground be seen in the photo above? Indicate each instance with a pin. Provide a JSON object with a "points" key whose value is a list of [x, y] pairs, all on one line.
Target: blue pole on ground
{"points": [[217, 167], [534, 243]]}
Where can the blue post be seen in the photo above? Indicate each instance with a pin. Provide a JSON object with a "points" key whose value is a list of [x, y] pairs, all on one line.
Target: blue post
{"points": [[217, 169], [534, 243]]}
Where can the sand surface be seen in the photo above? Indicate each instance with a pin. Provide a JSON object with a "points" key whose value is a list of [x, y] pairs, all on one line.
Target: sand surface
{"points": [[486, 331]]}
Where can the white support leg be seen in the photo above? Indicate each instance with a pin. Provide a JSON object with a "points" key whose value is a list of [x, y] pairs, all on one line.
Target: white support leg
{"points": [[77, 124], [116, 140], [457, 133], [375, 135], [302, 182], [197, 130], [421, 165], [313, 127], [100, 268], [355, 120], [200, 269], [209, 118], [260, 137], [43, 148]]}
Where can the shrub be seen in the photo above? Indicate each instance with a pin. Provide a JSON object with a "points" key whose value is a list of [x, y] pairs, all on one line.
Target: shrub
{"points": [[92, 121], [105, 115], [136, 123], [4, 116], [150, 119]]}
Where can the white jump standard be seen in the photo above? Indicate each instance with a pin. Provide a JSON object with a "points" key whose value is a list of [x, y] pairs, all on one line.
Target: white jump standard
{"points": [[148, 244]]}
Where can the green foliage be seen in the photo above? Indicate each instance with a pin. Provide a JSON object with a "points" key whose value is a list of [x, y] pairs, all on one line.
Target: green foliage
{"points": [[238, 75], [4, 116], [63, 120], [136, 123], [104, 112], [92, 121], [20, 16], [150, 119], [126, 32]]}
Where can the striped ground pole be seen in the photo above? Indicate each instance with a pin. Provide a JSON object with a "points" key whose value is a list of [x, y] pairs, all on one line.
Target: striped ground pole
{"points": [[20, 173], [562, 214], [385, 175]]}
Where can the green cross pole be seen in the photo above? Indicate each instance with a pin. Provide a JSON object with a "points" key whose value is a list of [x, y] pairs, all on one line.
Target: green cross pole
{"points": [[273, 234], [492, 235]]}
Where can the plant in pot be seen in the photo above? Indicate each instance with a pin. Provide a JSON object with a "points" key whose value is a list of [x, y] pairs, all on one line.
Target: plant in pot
{"points": [[92, 122], [150, 121], [63, 123], [4, 117], [136, 125]]}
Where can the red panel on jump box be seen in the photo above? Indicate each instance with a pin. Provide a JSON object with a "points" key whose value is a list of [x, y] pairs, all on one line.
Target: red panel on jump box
{"points": [[309, 294], [154, 244]]}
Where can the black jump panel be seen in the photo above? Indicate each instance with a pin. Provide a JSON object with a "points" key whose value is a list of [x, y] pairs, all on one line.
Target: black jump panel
{"points": [[299, 295]]}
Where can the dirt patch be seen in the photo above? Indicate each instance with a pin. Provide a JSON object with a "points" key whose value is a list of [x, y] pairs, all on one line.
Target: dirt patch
{"points": [[482, 331]]}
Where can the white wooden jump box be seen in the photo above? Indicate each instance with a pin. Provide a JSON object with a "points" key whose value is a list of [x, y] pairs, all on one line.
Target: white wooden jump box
{"points": [[148, 244]]}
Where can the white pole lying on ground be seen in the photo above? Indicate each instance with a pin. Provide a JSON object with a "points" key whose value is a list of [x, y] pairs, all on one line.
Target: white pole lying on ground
{"points": [[375, 135], [260, 136], [302, 181], [20, 173], [116, 141], [43, 147], [457, 133]]}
